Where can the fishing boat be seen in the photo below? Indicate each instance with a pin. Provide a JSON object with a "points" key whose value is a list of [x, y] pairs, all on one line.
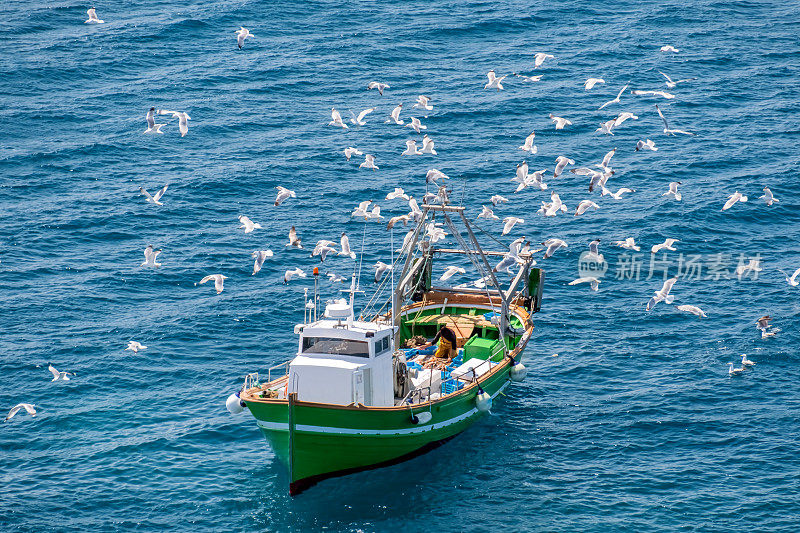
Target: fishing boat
{"points": [[359, 395]]}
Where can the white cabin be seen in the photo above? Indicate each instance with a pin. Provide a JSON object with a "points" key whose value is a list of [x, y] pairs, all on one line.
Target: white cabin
{"points": [[343, 362]]}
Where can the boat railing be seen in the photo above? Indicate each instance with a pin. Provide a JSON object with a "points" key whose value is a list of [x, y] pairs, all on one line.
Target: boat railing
{"points": [[284, 365], [250, 381], [409, 398]]}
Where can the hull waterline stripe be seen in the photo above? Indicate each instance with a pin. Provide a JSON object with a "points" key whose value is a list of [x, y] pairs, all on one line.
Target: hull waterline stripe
{"points": [[283, 426]]}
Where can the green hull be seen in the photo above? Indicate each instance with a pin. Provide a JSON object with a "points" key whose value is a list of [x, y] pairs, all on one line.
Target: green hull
{"points": [[326, 441]]}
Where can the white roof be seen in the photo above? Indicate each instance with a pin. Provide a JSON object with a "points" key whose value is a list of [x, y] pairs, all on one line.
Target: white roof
{"points": [[302, 360], [340, 330]]}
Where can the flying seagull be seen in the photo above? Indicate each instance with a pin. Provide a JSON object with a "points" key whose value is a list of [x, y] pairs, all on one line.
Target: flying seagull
{"points": [[671, 84], [152, 127], [155, 197], [58, 376], [150, 257], [377, 85], [135, 346], [242, 34], [260, 256], [93, 17], [29, 407], [615, 100], [663, 294], [667, 129], [283, 194], [218, 281]]}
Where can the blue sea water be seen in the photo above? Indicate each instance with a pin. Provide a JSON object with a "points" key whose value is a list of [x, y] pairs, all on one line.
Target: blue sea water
{"points": [[634, 426]]}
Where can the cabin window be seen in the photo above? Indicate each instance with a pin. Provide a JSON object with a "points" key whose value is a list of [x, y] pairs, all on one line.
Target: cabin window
{"points": [[335, 346], [382, 345]]}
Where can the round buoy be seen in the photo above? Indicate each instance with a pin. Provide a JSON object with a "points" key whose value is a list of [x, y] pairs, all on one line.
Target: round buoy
{"points": [[421, 418], [483, 401], [517, 372], [234, 404]]}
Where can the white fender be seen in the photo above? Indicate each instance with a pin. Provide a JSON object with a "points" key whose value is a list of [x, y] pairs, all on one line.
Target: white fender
{"points": [[518, 372], [234, 404], [483, 401], [421, 418]]}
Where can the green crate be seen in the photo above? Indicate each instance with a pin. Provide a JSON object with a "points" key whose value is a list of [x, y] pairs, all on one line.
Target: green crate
{"points": [[480, 348]]}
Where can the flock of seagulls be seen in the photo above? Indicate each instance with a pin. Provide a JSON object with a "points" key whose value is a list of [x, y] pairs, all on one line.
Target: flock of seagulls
{"points": [[598, 176]]}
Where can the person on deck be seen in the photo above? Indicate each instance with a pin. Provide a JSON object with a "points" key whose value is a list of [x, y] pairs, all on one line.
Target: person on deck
{"points": [[446, 351]]}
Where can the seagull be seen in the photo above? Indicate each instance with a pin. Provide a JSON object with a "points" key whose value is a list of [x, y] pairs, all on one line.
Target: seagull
{"points": [[607, 159], [93, 17], [350, 152], [395, 115], [411, 148], [359, 120], [605, 127], [561, 162], [662, 295], [597, 178], [669, 48], [154, 198], [628, 244], [29, 407], [622, 117], [150, 257], [335, 278], [152, 127], [260, 256], [494, 81], [594, 283], [369, 162], [427, 146], [241, 35], [584, 206], [591, 82], [528, 145], [662, 94], [375, 214], [560, 122], [394, 220], [539, 58], [433, 175], [451, 271], [416, 125], [336, 119], [377, 85], [295, 273], [497, 199], [424, 103], [416, 212], [135, 346], [380, 267], [671, 84], [218, 281], [398, 192], [248, 224], [793, 279], [734, 371], [673, 190], [528, 78], [763, 324], [510, 222], [294, 240], [521, 172], [646, 145], [615, 100], [753, 266], [362, 210], [322, 249], [666, 245], [488, 214], [692, 309], [667, 129], [746, 361], [183, 118], [345, 242], [616, 195], [63, 376], [434, 232], [556, 205], [553, 245], [732, 199], [768, 197]]}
